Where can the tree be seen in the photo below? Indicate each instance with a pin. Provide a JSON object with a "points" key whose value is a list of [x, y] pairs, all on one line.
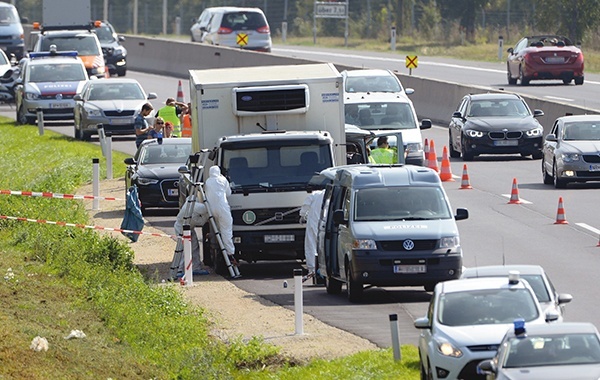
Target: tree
{"points": [[464, 11], [573, 18]]}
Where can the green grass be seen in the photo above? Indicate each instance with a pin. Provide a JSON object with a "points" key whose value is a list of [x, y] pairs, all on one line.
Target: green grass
{"points": [[57, 279]]}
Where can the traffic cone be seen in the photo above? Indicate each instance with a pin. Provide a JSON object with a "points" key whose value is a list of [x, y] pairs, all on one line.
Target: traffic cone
{"points": [[514, 194], [598, 245], [433, 158], [180, 93], [426, 150], [560, 214], [465, 183], [446, 171]]}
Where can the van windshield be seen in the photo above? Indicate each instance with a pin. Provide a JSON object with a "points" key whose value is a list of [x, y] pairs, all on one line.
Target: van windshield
{"points": [[377, 116], [9, 15], [401, 203]]}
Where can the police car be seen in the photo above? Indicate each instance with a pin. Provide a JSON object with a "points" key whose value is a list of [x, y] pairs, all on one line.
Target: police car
{"points": [[467, 319], [49, 81]]}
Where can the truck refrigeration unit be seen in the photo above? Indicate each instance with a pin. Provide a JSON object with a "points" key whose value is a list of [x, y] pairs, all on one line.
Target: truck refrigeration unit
{"points": [[271, 129]]}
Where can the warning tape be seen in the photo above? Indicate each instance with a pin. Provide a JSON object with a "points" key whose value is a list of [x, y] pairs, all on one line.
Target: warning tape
{"points": [[21, 219], [46, 194]]}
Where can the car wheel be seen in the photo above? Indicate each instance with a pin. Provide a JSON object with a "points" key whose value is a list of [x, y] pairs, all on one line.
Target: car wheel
{"points": [[567, 80], [76, 133], [524, 80], [354, 288], [548, 179], [511, 80], [578, 80], [466, 155], [24, 119], [85, 136], [429, 373], [537, 155], [332, 285], [453, 153], [121, 73], [558, 182]]}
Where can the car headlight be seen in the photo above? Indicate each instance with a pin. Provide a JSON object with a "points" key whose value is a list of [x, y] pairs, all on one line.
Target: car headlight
{"points": [[473, 133], [364, 244], [146, 181], [94, 112], [448, 349], [534, 132], [120, 50], [570, 157], [32, 96], [449, 242], [413, 147]]}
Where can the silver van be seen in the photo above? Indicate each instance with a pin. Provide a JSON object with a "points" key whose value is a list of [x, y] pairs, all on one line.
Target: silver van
{"points": [[386, 225], [12, 38], [245, 28]]}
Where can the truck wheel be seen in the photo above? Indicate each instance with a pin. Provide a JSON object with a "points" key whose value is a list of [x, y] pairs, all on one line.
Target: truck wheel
{"points": [[206, 246], [354, 288], [332, 285], [218, 260]]}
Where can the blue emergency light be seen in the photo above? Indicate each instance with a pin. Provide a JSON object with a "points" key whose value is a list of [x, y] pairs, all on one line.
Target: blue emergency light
{"points": [[519, 325], [45, 54]]}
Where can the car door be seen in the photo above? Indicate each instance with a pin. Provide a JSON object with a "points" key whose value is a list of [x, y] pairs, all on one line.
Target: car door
{"points": [[515, 57], [345, 236], [549, 147], [456, 124]]}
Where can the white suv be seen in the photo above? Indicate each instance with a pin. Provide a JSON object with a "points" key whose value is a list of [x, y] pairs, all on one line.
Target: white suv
{"points": [[467, 319], [245, 28]]}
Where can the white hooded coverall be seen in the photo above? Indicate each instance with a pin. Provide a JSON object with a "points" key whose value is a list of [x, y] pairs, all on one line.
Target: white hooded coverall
{"points": [[199, 217], [217, 190], [311, 211]]}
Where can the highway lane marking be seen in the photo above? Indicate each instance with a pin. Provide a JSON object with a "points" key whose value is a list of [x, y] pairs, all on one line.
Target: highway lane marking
{"points": [[521, 199], [557, 98], [588, 227]]}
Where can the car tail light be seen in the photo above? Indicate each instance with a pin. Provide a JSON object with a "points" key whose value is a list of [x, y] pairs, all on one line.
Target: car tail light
{"points": [[263, 29], [224, 30]]}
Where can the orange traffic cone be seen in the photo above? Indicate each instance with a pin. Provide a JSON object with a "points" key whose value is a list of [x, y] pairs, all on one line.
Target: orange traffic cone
{"points": [[426, 150], [180, 93], [446, 171], [465, 183], [432, 161], [514, 194], [598, 245], [560, 214]]}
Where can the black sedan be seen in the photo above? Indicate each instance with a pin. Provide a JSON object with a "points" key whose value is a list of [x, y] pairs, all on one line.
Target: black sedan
{"points": [[495, 124], [115, 54], [154, 170]]}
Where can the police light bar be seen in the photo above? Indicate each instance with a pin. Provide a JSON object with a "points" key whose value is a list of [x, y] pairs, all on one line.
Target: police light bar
{"points": [[513, 277], [519, 326], [43, 54]]}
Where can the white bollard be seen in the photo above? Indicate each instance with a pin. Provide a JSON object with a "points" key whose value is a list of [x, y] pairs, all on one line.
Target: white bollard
{"points": [[108, 155], [187, 256], [500, 47], [40, 120], [393, 38], [101, 138], [298, 301], [395, 338], [96, 183]]}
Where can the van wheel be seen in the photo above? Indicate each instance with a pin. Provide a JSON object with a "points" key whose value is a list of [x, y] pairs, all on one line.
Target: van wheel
{"points": [[332, 285], [353, 287]]}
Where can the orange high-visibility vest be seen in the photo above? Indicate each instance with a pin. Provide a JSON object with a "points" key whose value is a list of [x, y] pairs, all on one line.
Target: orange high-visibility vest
{"points": [[187, 126]]}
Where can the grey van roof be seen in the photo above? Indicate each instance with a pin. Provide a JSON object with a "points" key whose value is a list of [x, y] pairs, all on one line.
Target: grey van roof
{"points": [[362, 176]]}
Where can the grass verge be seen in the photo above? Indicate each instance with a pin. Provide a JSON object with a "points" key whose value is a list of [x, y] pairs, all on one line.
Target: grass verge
{"points": [[57, 279]]}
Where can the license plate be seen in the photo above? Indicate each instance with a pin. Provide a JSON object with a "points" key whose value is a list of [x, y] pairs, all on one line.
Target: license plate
{"points": [[279, 238], [173, 192], [120, 121], [555, 60], [410, 268], [506, 142], [595, 168], [60, 105]]}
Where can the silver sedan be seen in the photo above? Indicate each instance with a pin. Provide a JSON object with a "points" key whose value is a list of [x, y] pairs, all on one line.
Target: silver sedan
{"points": [[572, 151], [114, 103]]}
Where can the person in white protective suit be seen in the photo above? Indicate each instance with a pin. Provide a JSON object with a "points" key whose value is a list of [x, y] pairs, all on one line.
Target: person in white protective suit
{"points": [[310, 212], [198, 219], [217, 190]]}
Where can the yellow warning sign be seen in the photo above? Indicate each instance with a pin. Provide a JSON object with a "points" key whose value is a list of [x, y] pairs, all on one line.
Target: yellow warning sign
{"points": [[412, 61], [242, 39]]}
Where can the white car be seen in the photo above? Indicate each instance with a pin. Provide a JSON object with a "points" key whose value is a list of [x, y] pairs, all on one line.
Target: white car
{"points": [[373, 80], [467, 319], [535, 275], [199, 28]]}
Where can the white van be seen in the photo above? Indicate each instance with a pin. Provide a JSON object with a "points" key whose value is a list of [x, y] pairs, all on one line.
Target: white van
{"points": [[11, 31], [386, 225], [244, 28], [390, 112]]}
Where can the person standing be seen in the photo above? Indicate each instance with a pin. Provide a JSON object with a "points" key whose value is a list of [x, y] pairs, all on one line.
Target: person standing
{"points": [[172, 112], [217, 190], [311, 212], [186, 122], [383, 154], [142, 128]]}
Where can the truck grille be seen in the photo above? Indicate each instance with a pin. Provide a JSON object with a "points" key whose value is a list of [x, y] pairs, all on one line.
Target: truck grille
{"points": [[277, 215], [397, 245]]}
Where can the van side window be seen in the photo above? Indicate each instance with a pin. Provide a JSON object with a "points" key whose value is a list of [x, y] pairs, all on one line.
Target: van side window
{"points": [[346, 204]]}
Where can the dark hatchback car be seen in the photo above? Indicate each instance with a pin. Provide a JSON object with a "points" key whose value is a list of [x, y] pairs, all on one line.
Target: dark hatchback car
{"points": [[495, 124], [115, 54], [544, 57], [154, 170]]}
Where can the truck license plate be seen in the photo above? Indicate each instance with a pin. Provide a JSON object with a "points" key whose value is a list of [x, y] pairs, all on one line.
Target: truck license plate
{"points": [[410, 268], [279, 238]]}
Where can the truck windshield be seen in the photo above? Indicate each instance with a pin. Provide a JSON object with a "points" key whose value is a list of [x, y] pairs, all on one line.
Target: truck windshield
{"points": [[401, 203], [274, 166]]}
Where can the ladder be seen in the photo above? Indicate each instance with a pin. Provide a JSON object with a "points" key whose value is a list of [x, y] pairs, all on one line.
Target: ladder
{"points": [[194, 186]]}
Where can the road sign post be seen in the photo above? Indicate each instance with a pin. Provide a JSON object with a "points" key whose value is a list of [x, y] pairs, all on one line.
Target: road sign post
{"points": [[331, 9]]}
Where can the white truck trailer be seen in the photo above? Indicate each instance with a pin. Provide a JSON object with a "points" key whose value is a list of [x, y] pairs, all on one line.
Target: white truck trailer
{"points": [[272, 128]]}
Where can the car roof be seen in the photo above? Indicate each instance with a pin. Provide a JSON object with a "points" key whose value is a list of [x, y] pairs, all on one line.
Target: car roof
{"points": [[573, 118], [499, 270], [367, 73], [480, 283], [116, 80], [235, 9], [374, 97], [559, 328], [363, 176], [168, 141], [494, 96]]}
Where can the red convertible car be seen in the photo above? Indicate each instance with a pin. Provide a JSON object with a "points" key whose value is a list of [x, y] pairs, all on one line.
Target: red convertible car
{"points": [[544, 57]]}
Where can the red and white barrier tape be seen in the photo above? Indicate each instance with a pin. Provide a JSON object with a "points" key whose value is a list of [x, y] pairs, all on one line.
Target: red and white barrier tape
{"points": [[46, 194], [21, 219]]}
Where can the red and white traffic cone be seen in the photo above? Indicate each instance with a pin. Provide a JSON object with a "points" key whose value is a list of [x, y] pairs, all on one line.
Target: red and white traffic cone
{"points": [[180, 93], [465, 183], [426, 151], [560, 214], [433, 164], [514, 194], [446, 171]]}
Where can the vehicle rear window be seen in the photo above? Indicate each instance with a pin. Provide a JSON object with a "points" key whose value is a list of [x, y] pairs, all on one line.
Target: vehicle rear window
{"points": [[243, 21], [83, 45]]}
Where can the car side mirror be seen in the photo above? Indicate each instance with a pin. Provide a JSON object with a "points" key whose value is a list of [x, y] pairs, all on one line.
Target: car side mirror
{"points": [[461, 214], [510, 50], [78, 97], [564, 298], [409, 91], [457, 115], [121, 38], [129, 161], [538, 113], [338, 217], [152, 95], [486, 367], [551, 137], [552, 316], [425, 124], [422, 323]]}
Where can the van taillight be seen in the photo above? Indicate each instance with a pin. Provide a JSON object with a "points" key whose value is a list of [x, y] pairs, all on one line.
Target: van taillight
{"points": [[263, 29], [224, 30]]}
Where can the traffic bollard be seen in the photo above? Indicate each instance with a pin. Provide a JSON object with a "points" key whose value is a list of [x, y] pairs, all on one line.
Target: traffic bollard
{"points": [[298, 301], [108, 155], [96, 183], [40, 120], [395, 337], [187, 255]]}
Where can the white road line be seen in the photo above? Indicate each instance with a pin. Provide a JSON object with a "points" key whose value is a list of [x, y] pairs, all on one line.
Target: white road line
{"points": [[521, 199], [589, 228], [557, 98]]}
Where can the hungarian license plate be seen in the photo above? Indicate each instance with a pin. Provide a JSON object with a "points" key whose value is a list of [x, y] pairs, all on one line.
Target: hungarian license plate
{"points": [[120, 121], [60, 105], [595, 168], [173, 192], [506, 142], [410, 268], [279, 238]]}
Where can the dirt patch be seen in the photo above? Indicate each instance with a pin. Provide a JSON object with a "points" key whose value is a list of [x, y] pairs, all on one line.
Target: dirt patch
{"points": [[233, 312]]}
